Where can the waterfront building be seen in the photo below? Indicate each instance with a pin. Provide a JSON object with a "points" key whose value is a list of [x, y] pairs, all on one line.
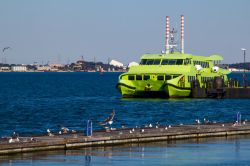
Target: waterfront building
{"points": [[18, 68]]}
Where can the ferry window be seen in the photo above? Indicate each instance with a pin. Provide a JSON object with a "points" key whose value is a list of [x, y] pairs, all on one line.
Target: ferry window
{"points": [[160, 77], [150, 61], [131, 77], [174, 76], [207, 65], [146, 77], [191, 78], [172, 62], [179, 62], [168, 77], [138, 77], [143, 61], [157, 61], [164, 62], [187, 61]]}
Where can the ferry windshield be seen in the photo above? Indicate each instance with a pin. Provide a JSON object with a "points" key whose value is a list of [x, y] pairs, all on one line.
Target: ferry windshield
{"points": [[163, 62], [172, 62], [150, 61]]}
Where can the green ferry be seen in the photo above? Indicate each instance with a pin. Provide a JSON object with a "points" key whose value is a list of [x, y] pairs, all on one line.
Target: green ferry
{"points": [[169, 74]]}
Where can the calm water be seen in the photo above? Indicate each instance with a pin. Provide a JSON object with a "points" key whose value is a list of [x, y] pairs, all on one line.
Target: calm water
{"points": [[32, 102]]}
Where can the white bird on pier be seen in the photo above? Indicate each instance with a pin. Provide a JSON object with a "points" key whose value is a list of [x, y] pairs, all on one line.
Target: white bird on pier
{"points": [[14, 138], [49, 133], [133, 129], [169, 126], [150, 125], [206, 121], [142, 130], [166, 128], [130, 131], [198, 121], [64, 130], [223, 125]]}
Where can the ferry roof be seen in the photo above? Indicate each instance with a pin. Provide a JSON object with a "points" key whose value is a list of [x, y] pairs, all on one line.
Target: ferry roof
{"points": [[178, 55]]}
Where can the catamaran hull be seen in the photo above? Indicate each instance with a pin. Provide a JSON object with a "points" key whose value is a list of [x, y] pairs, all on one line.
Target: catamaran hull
{"points": [[176, 91], [169, 91]]}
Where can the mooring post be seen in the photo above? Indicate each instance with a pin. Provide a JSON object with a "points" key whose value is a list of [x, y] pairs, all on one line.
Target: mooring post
{"points": [[238, 118], [89, 128]]}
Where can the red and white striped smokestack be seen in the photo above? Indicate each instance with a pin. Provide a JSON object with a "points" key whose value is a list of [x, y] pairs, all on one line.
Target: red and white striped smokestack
{"points": [[167, 35], [182, 34]]}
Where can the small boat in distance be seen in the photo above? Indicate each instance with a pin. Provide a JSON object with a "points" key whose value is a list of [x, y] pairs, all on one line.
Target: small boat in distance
{"points": [[171, 73]]}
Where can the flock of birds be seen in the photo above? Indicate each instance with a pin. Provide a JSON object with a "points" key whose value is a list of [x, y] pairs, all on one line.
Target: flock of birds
{"points": [[107, 125]]}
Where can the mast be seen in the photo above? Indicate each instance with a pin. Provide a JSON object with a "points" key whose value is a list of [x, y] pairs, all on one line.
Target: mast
{"points": [[167, 35], [182, 34]]}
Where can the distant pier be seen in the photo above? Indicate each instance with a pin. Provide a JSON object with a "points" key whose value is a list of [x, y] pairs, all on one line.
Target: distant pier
{"points": [[217, 88], [121, 136]]}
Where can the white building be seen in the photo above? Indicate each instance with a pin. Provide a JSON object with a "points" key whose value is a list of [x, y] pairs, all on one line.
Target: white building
{"points": [[133, 64], [4, 68], [19, 68], [116, 63]]}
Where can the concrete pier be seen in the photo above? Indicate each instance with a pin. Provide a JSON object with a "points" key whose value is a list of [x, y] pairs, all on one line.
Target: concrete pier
{"points": [[121, 136]]}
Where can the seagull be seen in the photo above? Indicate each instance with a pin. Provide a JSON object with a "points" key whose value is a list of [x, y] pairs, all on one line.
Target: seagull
{"points": [[33, 139], [130, 131], [142, 130], [169, 126], [109, 120], [14, 138], [166, 128], [64, 130], [150, 125], [49, 133], [133, 129], [197, 121], [156, 127], [223, 125], [206, 121]]}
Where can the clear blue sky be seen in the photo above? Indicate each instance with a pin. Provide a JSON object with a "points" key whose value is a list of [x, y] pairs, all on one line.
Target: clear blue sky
{"points": [[62, 30]]}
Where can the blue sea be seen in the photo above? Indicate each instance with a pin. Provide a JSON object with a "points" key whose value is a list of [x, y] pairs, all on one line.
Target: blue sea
{"points": [[30, 103]]}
